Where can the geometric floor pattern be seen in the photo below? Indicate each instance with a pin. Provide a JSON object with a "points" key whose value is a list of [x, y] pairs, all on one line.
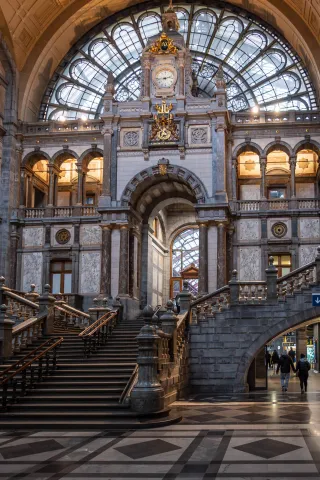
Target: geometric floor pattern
{"points": [[236, 441]]}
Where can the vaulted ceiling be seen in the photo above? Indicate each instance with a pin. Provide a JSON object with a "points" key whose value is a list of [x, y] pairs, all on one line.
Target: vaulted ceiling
{"points": [[40, 32]]}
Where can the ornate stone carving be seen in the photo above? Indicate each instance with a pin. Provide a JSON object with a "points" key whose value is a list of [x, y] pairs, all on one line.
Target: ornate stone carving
{"points": [[250, 263], [32, 237], [279, 229], [131, 139], [31, 271], [309, 227], [307, 254], [63, 236], [199, 135], [90, 235], [90, 266], [249, 229]]}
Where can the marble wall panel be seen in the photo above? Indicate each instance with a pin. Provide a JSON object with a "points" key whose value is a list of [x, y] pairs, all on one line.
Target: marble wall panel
{"points": [[309, 227], [115, 257], [33, 237], [249, 265], [305, 190], [249, 229], [55, 229], [32, 264], [307, 254], [90, 270], [250, 192], [212, 258], [90, 235]]}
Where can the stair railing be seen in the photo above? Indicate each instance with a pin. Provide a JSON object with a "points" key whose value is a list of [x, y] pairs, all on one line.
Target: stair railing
{"points": [[27, 332], [302, 277], [71, 316], [98, 332], [23, 375], [125, 395], [19, 308]]}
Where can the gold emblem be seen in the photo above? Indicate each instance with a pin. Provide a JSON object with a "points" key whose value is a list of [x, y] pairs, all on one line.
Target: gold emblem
{"points": [[164, 128], [163, 169], [63, 236], [163, 45]]}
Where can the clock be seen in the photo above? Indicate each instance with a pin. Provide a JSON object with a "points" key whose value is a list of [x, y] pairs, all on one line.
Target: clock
{"points": [[165, 78]]}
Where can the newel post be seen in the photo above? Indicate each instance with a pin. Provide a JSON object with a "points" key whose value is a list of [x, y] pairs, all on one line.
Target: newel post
{"points": [[33, 296], [6, 326], [272, 275], [46, 306], [318, 266], [185, 297], [2, 289], [234, 288], [169, 325], [147, 395]]}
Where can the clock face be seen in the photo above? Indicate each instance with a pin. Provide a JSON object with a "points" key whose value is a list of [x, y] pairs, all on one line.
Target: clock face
{"points": [[165, 78]]}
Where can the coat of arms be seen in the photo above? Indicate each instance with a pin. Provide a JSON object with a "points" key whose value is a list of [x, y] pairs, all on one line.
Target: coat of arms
{"points": [[164, 128]]}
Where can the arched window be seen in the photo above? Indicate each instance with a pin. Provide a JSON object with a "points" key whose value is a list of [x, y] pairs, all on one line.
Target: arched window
{"points": [[260, 67], [185, 261]]}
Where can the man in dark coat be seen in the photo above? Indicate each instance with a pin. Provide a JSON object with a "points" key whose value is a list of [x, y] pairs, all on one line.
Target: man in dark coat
{"points": [[284, 365], [303, 367]]}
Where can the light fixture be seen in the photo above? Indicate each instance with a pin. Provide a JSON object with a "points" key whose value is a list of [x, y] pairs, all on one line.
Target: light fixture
{"points": [[255, 109], [277, 108], [84, 118], [62, 119]]}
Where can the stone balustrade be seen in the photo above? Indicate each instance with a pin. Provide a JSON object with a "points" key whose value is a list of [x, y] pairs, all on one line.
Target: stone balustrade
{"points": [[281, 204], [57, 212]]}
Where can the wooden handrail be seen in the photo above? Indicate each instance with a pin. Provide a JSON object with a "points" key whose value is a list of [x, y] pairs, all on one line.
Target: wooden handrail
{"points": [[27, 324], [24, 367], [74, 311], [23, 300], [94, 324], [102, 324], [294, 272], [127, 389]]}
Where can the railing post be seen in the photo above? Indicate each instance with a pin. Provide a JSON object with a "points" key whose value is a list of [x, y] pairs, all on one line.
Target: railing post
{"points": [[2, 284], [234, 288], [6, 326], [46, 304], [169, 325], [33, 296], [117, 304], [147, 395], [318, 266], [185, 297], [271, 274]]}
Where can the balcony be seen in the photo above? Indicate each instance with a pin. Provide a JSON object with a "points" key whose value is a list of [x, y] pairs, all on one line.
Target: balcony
{"points": [[303, 204], [56, 212]]}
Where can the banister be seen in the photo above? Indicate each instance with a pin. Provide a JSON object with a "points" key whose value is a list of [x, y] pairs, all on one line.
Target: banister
{"points": [[27, 324], [129, 386], [102, 324], [226, 288], [296, 271], [75, 311], [23, 300], [24, 367], [94, 324]]}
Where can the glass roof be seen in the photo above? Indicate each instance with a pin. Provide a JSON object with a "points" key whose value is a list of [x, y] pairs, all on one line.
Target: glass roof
{"points": [[260, 68]]}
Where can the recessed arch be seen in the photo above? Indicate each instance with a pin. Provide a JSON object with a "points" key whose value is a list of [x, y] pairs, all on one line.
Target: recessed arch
{"points": [[62, 155], [307, 145], [247, 147], [278, 145], [89, 155], [33, 157]]}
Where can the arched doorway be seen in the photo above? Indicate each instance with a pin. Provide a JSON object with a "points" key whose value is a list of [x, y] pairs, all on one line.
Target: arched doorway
{"points": [[185, 261]]}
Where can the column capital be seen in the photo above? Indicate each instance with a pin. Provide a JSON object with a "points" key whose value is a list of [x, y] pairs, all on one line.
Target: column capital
{"points": [[293, 161]]}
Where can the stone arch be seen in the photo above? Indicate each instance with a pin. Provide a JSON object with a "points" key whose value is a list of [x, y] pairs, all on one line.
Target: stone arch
{"points": [[89, 155], [278, 145], [247, 147], [284, 323], [33, 157], [63, 155], [307, 144], [152, 176]]}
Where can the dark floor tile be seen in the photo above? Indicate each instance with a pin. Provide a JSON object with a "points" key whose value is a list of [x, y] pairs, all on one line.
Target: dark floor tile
{"points": [[57, 467], [147, 449], [31, 448], [195, 468], [267, 448], [205, 418], [251, 417]]}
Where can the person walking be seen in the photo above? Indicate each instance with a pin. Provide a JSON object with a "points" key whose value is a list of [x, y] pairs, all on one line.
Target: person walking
{"points": [[292, 354], [268, 359], [303, 367], [275, 360], [285, 365]]}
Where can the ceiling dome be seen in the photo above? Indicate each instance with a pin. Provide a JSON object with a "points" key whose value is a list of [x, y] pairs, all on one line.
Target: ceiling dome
{"points": [[260, 68]]}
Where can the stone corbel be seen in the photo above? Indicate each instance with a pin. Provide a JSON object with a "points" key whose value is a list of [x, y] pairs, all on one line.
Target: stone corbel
{"points": [[182, 153], [145, 154]]}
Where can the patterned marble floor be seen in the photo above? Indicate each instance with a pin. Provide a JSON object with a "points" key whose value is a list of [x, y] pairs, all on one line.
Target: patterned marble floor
{"points": [[238, 440]]}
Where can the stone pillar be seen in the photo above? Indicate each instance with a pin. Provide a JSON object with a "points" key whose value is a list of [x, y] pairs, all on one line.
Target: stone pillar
{"points": [[181, 73], [107, 154], [221, 255], [147, 68], [203, 258], [185, 297], [6, 326], [229, 159], [124, 261], [29, 191], [169, 325], [234, 177], [22, 188], [221, 194], [147, 395], [263, 166], [272, 275], [80, 199], [51, 185], [84, 187], [105, 282], [234, 288], [14, 240], [293, 162], [46, 304]]}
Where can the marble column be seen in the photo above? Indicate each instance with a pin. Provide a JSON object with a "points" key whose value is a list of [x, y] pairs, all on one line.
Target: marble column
{"points": [[131, 265], [124, 261], [181, 74], [293, 162], [29, 191], [263, 166], [51, 185], [221, 194], [107, 154], [221, 255], [301, 342], [84, 187], [203, 258], [22, 188], [80, 185], [14, 240], [105, 282], [234, 177], [147, 69]]}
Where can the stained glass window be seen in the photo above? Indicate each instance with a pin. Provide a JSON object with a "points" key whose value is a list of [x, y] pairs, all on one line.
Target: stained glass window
{"points": [[260, 67]]}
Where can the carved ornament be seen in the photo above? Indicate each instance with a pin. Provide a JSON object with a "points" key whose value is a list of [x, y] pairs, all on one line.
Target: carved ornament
{"points": [[164, 128], [164, 45], [279, 229]]}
